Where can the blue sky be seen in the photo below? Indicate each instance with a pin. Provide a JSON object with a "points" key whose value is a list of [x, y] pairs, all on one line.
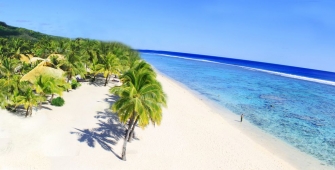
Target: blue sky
{"points": [[290, 32]]}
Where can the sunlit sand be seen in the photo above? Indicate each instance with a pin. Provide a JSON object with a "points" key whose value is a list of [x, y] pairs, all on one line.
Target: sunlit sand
{"points": [[84, 134]]}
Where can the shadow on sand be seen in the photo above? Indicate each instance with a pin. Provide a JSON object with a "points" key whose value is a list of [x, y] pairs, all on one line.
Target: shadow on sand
{"points": [[21, 111], [108, 131], [100, 81]]}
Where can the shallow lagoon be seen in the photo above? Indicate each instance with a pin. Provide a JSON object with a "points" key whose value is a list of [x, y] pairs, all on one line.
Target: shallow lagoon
{"points": [[302, 113]]}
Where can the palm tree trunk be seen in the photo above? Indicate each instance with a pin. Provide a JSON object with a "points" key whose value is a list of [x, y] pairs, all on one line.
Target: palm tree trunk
{"points": [[31, 111], [124, 148], [68, 80], [27, 112], [8, 88], [94, 78], [106, 80], [132, 131], [52, 97]]}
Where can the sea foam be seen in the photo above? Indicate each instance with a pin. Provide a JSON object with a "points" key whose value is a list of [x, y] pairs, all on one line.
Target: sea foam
{"points": [[256, 69]]}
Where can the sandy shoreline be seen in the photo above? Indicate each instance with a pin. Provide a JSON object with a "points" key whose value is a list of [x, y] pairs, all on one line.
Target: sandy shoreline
{"points": [[84, 134]]}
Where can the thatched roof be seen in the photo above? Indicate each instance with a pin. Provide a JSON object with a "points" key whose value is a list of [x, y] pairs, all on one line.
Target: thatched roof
{"points": [[30, 58], [24, 58], [43, 68]]}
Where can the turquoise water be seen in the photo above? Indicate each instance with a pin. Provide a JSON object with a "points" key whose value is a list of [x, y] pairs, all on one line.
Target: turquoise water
{"points": [[302, 113]]}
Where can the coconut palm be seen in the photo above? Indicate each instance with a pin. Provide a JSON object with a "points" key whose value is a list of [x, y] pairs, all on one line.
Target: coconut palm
{"points": [[110, 65], [14, 100], [9, 90], [141, 99], [55, 61], [73, 64], [47, 85], [94, 68], [24, 68], [89, 48], [3, 93], [40, 48], [7, 69], [28, 98], [141, 66], [17, 47]]}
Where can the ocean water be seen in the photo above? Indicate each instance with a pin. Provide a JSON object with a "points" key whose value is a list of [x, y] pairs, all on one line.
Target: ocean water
{"points": [[296, 105]]}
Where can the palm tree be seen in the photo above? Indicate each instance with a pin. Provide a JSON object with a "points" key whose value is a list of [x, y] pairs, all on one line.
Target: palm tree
{"points": [[14, 100], [110, 65], [3, 94], [89, 49], [94, 68], [7, 69], [47, 85], [28, 98], [141, 99], [73, 64], [24, 68], [62, 84]]}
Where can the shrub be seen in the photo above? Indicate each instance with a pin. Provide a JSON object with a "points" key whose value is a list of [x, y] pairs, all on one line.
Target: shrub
{"points": [[57, 101], [75, 84]]}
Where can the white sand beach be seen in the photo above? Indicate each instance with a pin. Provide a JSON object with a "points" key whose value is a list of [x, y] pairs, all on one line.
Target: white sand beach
{"points": [[83, 134]]}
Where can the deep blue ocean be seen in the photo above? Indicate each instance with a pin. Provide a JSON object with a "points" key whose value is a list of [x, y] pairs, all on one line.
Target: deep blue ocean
{"points": [[294, 104]]}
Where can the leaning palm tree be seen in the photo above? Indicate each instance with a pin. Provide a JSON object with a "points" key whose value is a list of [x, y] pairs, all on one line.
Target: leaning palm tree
{"points": [[141, 100], [141, 66]]}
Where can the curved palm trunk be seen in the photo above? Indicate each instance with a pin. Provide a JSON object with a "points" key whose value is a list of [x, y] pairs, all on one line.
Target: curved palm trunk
{"points": [[132, 131], [106, 80], [124, 148]]}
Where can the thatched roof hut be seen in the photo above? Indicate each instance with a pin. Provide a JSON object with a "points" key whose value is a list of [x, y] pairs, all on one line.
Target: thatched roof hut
{"points": [[43, 68]]}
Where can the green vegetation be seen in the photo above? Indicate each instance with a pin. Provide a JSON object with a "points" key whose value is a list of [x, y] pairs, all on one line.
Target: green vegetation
{"points": [[24, 53], [75, 84], [141, 98], [22, 33], [58, 101]]}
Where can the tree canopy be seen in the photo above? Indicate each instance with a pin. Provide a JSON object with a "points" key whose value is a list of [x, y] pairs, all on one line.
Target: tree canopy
{"points": [[34, 66]]}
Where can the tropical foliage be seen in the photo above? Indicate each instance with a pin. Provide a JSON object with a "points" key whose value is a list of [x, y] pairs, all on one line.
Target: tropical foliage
{"points": [[57, 101], [23, 52], [75, 84], [141, 99], [20, 56]]}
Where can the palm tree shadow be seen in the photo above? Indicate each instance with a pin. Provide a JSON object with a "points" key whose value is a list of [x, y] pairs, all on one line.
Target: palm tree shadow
{"points": [[111, 99], [108, 132], [19, 111], [44, 107], [99, 81]]}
